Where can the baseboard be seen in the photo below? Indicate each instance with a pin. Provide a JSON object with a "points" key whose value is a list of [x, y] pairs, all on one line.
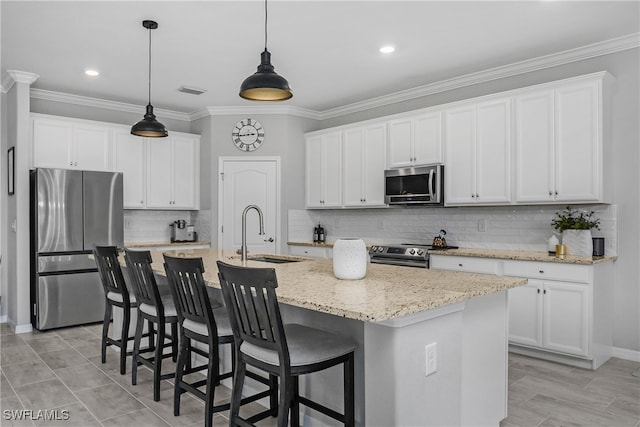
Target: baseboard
{"points": [[623, 353], [3, 318]]}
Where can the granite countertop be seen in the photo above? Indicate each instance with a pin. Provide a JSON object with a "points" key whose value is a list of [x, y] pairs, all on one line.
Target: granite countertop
{"points": [[385, 293], [162, 244], [522, 256]]}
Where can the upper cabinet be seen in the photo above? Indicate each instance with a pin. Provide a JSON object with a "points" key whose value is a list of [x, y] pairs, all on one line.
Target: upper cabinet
{"points": [[415, 140], [364, 157], [324, 170], [559, 144], [477, 166], [158, 173], [70, 144]]}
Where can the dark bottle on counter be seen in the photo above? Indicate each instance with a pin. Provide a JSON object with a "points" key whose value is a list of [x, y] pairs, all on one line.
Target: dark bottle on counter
{"points": [[320, 234], [315, 234]]}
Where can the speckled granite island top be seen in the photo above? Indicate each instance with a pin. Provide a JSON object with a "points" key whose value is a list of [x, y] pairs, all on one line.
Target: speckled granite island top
{"points": [[385, 293]]}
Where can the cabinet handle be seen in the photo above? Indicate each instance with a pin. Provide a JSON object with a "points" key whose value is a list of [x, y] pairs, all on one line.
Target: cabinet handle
{"points": [[473, 196], [538, 290], [544, 292], [541, 271], [70, 163], [141, 202], [556, 192], [551, 193], [477, 195], [459, 265]]}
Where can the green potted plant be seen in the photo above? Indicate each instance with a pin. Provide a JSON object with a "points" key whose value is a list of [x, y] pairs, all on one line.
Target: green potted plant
{"points": [[576, 227]]}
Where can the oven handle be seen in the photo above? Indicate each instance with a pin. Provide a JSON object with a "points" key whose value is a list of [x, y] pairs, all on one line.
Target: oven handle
{"points": [[402, 263]]}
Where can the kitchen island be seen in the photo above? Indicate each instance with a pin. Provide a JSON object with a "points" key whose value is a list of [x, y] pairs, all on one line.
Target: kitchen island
{"points": [[394, 313]]}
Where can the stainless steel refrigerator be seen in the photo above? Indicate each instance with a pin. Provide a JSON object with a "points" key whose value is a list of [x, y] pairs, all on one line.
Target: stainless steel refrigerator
{"points": [[70, 211]]}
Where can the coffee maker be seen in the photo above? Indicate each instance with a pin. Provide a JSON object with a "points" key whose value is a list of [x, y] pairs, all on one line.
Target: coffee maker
{"points": [[181, 232]]}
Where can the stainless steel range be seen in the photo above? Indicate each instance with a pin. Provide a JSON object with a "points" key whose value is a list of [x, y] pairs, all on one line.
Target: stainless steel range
{"points": [[405, 254]]}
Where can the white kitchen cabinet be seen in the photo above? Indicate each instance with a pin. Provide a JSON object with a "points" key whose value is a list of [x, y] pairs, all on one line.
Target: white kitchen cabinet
{"points": [[324, 170], [463, 264], [558, 144], [311, 251], [70, 144], [478, 153], [129, 157], [364, 160], [173, 172], [415, 140]]}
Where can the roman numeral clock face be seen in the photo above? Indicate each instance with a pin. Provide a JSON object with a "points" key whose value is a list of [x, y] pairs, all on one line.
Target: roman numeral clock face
{"points": [[248, 135]]}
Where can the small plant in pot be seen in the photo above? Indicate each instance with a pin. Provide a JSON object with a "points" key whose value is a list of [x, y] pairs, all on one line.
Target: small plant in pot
{"points": [[576, 227]]}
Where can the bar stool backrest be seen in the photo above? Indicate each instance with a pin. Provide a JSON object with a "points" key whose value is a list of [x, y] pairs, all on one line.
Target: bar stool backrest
{"points": [[142, 280], [106, 258], [189, 290], [250, 295]]}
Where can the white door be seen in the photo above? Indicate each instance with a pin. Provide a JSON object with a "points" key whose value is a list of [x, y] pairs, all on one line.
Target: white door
{"points": [[249, 182], [566, 318]]}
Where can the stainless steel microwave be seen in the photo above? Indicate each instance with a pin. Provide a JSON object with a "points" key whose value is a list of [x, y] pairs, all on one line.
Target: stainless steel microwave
{"points": [[423, 185]]}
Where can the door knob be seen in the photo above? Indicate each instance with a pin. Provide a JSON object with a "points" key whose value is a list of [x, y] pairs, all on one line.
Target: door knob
{"points": [[270, 239]]}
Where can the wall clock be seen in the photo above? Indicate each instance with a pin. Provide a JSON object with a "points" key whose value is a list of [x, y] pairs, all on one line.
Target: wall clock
{"points": [[248, 135]]}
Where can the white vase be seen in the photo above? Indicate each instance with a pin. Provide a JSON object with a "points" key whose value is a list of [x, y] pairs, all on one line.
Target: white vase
{"points": [[349, 259], [578, 242]]}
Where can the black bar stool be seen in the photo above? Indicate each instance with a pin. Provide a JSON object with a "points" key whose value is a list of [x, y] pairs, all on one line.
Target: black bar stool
{"points": [[199, 322], [116, 295], [156, 308], [285, 350]]}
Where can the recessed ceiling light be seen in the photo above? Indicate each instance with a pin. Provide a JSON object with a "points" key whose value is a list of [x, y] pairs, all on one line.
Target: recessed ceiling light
{"points": [[387, 49], [92, 73]]}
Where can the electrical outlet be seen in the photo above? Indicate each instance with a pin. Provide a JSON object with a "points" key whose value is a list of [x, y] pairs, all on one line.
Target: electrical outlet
{"points": [[482, 225], [431, 354]]}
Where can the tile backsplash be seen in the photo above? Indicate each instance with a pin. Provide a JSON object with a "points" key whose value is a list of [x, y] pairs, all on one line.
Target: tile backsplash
{"points": [[512, 227], [153, 226]]}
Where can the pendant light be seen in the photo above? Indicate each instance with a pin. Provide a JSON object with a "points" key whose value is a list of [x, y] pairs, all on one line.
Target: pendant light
{"points": [[149, 126], [265, 84]]}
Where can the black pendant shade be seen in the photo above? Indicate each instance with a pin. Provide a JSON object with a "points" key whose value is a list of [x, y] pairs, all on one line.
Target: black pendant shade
{"points": [[265, 84], [149, 126]]}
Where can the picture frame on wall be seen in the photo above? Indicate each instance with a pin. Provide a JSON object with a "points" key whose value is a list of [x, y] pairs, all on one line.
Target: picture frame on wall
{"points": [[11, 173]]}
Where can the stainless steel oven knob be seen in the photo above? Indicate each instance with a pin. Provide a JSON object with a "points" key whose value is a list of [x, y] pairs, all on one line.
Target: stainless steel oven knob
{"points": [[412, 251], [380, 249], [420, 251], [373, 248]]}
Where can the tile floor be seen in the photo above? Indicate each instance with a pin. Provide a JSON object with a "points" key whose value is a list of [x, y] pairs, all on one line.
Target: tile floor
{"points": [[61, 370]]}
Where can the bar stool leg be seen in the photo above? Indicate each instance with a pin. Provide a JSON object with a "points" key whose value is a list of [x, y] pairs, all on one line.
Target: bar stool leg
{"points": [[183, 353], [236, 394], [286, 391], [212, 380], [108, 310], [124, 340], [295, 403], [136, 350], [273, 395], [157, 362], [349, 391], [174, 342]]}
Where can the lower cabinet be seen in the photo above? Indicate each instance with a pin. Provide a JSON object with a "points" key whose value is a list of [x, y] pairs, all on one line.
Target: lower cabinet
{"points": [[311, 251], [564, 312]]}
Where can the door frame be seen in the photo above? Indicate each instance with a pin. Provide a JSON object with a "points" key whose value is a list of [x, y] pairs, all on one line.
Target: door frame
{"points": [[248, 160]]}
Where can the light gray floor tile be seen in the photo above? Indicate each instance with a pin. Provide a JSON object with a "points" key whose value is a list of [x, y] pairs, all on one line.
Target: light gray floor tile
{"points": [[564, 413], [29, 372], [82, 377], [626, 386], [45, 395], [523, 416], [18, 354], [75, 333], [14, 415], [75, 415], [5, 329], [47, 343], [86, 346], [624, 405], [142, 418], [568, 393], [11, 340], [63, 358], [109, 401]]}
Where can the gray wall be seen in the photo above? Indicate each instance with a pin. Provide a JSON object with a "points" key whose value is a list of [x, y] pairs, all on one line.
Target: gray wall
{"points": [[622, 147]]}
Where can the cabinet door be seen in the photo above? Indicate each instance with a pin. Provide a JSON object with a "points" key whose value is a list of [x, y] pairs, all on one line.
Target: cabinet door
{"points": [[91, 147], [185, 172], [460, 170], [332, 170], [129, 158], [578, 151], [493, 152], [375, 161], [314, 172], [566, 318], [52, 140], [159, 179], [534, 147], [354, 163], [525, 314], [400, 143], [427, 138]]}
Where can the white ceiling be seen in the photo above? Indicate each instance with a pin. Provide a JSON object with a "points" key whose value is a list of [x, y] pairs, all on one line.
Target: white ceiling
{"points": [[328, 50]]}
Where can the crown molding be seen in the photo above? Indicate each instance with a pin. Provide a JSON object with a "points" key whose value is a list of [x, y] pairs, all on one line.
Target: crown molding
{"points": [[12, 77], [630, 41], [606, 47], [86, 101]]}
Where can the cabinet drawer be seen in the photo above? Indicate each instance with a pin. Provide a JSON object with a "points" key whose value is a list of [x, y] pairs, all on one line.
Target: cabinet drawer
{"points": [[465, 264], [310, 251], [547, 271]]}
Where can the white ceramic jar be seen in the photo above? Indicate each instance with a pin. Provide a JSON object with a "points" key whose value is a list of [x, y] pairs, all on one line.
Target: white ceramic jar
{"points": [[349, 259]]}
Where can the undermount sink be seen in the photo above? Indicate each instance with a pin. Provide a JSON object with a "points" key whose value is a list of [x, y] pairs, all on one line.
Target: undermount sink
{"points": [[273, 260]]}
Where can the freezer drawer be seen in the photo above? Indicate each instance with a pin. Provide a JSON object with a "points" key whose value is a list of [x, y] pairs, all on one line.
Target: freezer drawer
{"points": [[54, 263], [69, 299]]}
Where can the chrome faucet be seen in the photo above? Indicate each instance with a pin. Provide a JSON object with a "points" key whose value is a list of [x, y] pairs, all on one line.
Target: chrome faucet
{"points": [[243, 248]]}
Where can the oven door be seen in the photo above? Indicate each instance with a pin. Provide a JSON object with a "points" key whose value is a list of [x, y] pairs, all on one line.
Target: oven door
{"points": [[402, 262]]}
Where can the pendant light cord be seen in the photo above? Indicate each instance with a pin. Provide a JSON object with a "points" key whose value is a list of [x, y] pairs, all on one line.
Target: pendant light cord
{"points": [[149, 66], [265, 24]]}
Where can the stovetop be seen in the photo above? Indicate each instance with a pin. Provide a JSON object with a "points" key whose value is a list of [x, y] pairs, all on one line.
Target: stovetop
{"points": [[410, 254]]}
